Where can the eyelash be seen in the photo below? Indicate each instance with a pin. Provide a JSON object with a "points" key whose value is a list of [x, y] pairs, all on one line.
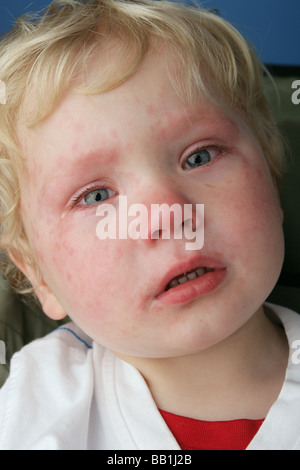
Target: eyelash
{"points": [[79, 197]]}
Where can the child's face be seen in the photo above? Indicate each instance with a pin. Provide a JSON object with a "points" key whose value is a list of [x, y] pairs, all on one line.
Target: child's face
{"points": [[137, 141]]}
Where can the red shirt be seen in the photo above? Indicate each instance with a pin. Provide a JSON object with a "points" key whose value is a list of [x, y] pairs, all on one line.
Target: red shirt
{"points": [[193, 434]]}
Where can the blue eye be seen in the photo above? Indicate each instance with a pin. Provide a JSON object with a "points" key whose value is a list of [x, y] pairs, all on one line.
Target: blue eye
{"points": [[96, 196], [199, 158]]}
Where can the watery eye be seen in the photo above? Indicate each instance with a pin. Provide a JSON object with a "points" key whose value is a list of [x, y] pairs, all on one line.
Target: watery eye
{"points": [[96, 196], [199, 158]]}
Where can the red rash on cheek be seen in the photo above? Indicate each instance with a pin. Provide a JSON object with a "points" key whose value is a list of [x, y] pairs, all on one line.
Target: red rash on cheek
{"points": [[83, 270], [40, 256], [150, 110], [61, 255]]}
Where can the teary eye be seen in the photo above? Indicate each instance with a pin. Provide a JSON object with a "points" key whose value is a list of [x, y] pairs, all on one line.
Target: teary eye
{"points": [[91, 196]]}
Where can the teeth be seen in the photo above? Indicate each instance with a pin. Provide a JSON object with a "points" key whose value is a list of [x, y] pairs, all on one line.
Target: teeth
{"points": [[200, 271], [188, 276], [173, 283], [192, 275]]}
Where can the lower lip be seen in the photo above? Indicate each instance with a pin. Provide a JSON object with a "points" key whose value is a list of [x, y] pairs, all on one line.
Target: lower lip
{"points": [[193, 289]]}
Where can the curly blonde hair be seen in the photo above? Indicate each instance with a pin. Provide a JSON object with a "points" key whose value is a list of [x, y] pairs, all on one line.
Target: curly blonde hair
{"points": [[44, 52]]}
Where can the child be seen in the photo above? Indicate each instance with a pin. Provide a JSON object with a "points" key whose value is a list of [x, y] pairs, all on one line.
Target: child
{"points": [[168, 348]]}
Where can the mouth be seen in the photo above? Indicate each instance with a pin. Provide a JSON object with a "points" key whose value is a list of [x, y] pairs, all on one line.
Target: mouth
{"points": [[188, 276], [190, 280]]}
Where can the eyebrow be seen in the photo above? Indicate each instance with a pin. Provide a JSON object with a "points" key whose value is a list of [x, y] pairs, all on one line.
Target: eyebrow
{"points": [[71, 167], [218, 121], [105, 156]]}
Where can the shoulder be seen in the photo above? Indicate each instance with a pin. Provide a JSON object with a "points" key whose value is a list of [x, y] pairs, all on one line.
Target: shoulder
{"points": [[68, 336], [280, 429], [51, 381], [66, 345], [290, 322], [289, 319], [67, 349]]}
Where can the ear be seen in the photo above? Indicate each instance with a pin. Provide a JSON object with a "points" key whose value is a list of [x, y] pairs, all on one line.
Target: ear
{"points": [[50, 305]]}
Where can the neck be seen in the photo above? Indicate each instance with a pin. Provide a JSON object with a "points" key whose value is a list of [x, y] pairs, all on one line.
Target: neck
{"points": [[238, 378]]}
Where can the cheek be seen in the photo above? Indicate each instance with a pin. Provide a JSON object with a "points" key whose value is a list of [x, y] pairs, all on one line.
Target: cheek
{"points": [[258, 201], [82, 270], [254, 222]]}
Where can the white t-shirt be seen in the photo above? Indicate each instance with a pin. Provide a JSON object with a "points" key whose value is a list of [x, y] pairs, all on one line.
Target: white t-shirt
{"points": [[67, 392]]}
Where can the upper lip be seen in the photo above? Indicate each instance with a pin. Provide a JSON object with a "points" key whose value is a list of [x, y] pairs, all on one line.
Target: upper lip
{"points": [[186, 266]]}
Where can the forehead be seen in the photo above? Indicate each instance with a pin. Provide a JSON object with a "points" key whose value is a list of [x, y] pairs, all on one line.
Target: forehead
{"points": [[80, 130], [83, 126]]}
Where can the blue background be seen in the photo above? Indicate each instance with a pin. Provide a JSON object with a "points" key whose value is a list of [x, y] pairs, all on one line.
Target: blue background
{"points": [[272, 26]]}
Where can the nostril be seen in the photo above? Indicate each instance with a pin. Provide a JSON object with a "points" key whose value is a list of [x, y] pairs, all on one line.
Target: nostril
{"points": [[157, 234]]}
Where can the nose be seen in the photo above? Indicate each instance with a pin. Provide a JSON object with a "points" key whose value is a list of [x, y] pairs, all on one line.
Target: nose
{"points": [[166, 220], [164, 214]]}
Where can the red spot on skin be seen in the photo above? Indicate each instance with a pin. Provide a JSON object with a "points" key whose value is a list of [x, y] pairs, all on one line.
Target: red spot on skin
{"points": [[57, 246], [150, 110], [40, 256], [129, 146], [68, 249]]}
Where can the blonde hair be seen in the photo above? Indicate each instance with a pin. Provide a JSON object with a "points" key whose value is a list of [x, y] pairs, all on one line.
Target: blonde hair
{"points": [[45, 52]]}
